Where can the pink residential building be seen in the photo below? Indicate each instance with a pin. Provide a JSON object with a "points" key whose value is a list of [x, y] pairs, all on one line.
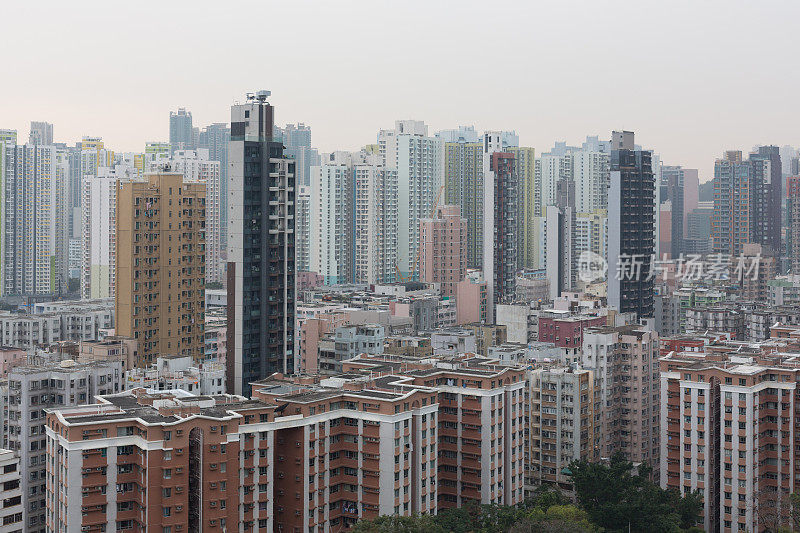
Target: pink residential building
{"points": [[471, 301], [442, 257], [313, 321], [624, 360], [309, 280], [9, 358]]}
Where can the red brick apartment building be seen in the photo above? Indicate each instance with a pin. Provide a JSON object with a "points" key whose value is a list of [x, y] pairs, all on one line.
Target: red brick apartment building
{"points": [[391, 436], [729, 417]]}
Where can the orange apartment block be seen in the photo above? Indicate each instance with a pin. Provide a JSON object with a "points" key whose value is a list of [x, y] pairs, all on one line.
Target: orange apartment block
{"points": [[160, 268]]}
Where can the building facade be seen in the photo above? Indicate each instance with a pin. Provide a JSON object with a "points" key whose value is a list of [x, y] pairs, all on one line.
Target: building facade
{"points": [[442, 253], [631, 227], [261, 248], [160, 265], [32, 390], [499, 222]]}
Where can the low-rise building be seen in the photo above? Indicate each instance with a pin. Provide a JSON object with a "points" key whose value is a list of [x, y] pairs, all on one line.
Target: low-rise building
{"points": [[110, 348], [52, 322], [179, 372]]}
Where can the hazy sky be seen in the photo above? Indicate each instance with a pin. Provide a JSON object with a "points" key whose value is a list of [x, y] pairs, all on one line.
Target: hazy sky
{"points": [[691, 78]]}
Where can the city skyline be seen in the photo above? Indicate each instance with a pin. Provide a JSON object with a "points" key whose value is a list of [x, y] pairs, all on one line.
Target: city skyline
{"points": [[685, 103]]}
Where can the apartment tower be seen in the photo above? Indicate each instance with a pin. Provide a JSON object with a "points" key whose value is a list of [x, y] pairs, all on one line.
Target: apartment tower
{"points": [[160, 265], [499, 221], [261, 253], [442, 256], [631, 227]]}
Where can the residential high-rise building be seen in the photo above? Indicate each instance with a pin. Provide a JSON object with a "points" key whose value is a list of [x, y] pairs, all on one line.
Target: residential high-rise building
{"points": [[631, 227], [41, 133], [196, 166], [672, 187], [728, 430], [442, 258], [731, 224], [35, 218], [155, 152], [89, 155], [428, 439], [297, 144], [99, 238], [559, 249], [215, 138], [261, 248], [463, 181], [160, 265], [8, 162], [691, 196], [374, 221], [331, 231], [417, 159], [182, 135], [767, 187], [747, 201], [577, 178], [499, 222], [303, 229], [590, 173], [525, 169], [624, 360], [562, 423], [793, 223], [31, 390]]}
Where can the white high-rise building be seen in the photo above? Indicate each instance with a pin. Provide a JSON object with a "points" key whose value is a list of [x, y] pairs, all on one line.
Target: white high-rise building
{"points": [[99, 223], [590, 173], [330, 234], [302, 229], [374, 221], [35, 219], [417, 158], [196, 166]]}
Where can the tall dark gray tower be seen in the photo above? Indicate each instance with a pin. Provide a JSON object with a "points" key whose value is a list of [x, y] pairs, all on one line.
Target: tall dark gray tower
{"points": [[631, 227], [261, 255], [767, 190]]}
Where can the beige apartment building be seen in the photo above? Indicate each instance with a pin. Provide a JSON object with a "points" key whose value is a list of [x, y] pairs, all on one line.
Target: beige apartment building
{"points": [[160, 294], [561, 423]]}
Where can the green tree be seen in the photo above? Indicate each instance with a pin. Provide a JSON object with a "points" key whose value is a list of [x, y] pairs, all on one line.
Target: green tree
{"points": [[400, 524], [618, 498]]}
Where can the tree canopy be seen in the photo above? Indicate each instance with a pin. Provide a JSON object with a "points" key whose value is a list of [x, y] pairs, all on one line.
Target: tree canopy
{"points": [[611, 498]]}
